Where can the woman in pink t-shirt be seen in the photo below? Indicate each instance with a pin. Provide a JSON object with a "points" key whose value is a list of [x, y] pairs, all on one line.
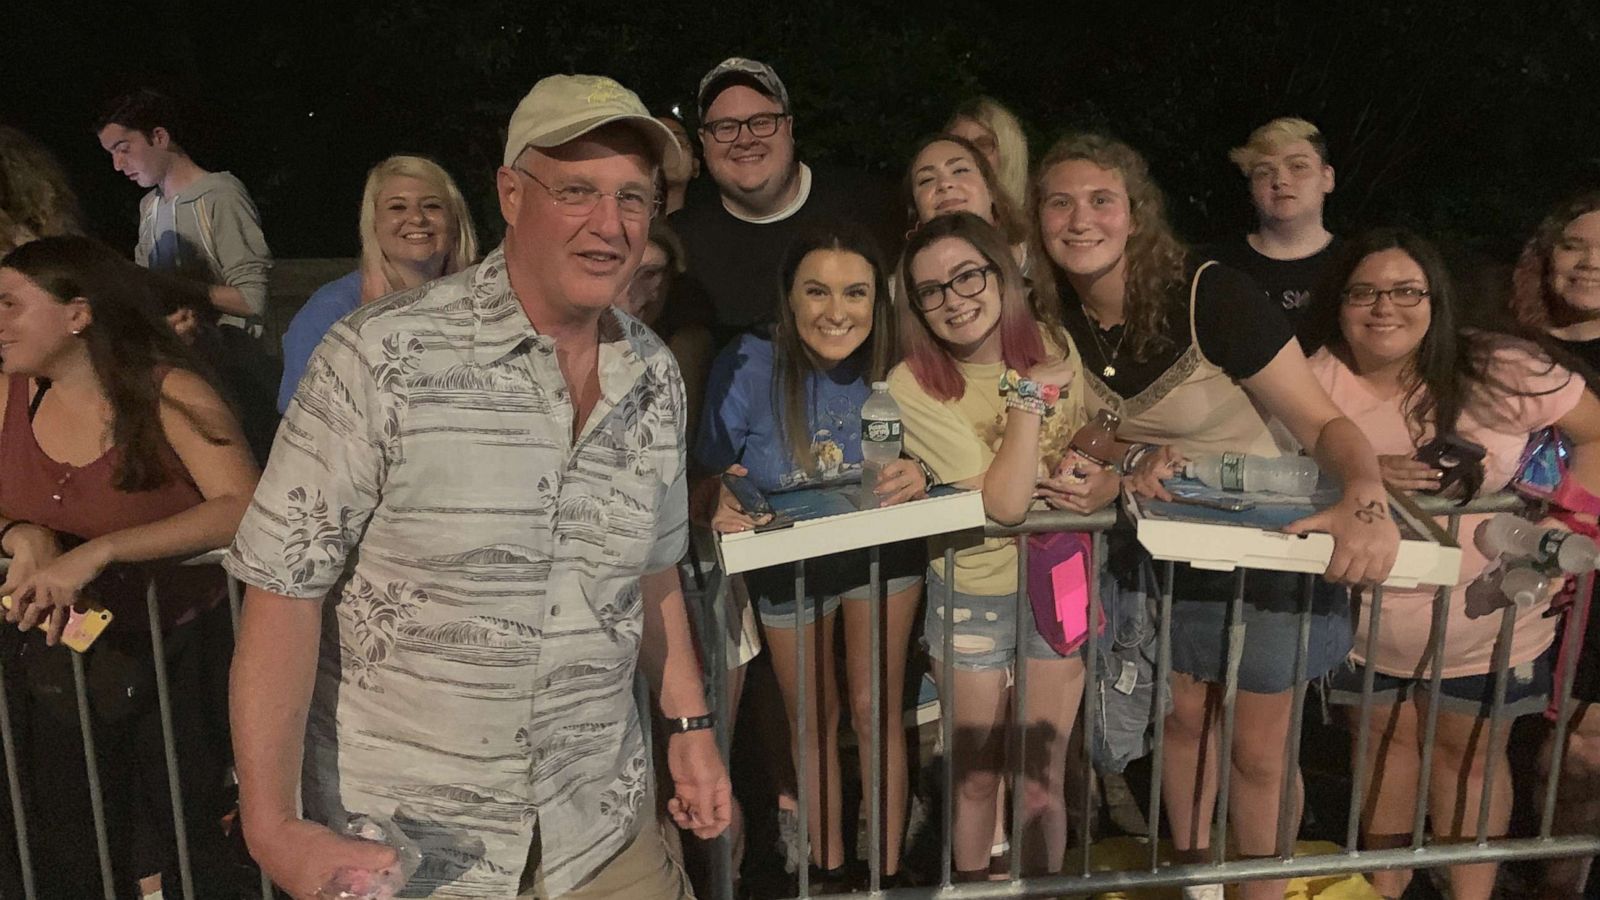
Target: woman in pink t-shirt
{"points": [[1397, 364]]}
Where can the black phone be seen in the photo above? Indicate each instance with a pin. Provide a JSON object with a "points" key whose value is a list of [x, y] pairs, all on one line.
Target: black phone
{"points": [[750, 498], [1459, 459]]}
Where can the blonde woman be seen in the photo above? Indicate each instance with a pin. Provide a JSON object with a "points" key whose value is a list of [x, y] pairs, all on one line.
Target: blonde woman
{"points": [[995, 131], [415, 227]]}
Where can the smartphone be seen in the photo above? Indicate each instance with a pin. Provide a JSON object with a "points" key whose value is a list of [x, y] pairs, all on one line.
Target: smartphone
{"points": [[750, 498], [1226, 504], [1459, 459], [82, 628]]}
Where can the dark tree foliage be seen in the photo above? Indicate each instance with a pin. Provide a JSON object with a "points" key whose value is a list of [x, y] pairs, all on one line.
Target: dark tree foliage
{"points": [[1466, 120]]}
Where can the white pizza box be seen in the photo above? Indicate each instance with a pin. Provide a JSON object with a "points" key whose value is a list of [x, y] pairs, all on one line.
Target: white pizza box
{"points": [[823, 521], [1428, 555]]}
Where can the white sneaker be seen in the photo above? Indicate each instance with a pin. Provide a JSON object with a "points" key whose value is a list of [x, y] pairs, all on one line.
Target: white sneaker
{"points": [[1203, 892]]}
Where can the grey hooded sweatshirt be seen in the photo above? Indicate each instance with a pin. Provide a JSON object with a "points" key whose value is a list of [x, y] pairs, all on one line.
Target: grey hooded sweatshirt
{"points": [[209, 231]]}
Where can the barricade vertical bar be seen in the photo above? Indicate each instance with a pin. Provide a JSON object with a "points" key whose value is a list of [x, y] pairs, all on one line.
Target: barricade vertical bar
{"points": [[19, 815], [1358, 783], [713, 606], [1430, 727], [803, 736], [1230, 692], [1017, 745], [947, 717], [1163, 691], [1502, 667], [1091, 694], [1569, 667], [1291, 769], [169, 747], [875, 728], [97, 803]]}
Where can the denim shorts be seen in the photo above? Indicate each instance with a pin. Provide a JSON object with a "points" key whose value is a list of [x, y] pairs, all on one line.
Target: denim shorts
{"points": [[829, 579], [986, 629], [1200, 626], [1528, 688]]}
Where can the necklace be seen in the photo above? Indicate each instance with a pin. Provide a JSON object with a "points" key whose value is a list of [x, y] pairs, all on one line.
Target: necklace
{"points": [[1110, 358]]}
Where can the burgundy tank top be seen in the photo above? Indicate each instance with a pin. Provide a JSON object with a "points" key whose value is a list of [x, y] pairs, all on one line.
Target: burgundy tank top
{"points": [[81, 502]]}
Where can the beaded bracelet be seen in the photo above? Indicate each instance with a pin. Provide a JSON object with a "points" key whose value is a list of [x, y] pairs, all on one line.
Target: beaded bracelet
{"points": [[1028, 404], [1012, 382], [1135, 453]]}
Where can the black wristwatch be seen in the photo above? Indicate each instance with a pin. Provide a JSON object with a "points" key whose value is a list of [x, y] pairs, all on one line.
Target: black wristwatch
{"points": [[927, 473], [691, 723]]}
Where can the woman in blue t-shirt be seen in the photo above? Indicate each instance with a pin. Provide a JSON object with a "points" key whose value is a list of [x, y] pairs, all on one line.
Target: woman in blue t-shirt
{"points": [[786, 413]]}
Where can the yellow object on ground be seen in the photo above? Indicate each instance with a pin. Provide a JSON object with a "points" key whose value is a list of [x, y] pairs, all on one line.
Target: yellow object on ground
{"points": [[1131, 854]]}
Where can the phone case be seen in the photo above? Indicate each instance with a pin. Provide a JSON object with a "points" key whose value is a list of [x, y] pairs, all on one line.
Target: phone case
{"points": [[82, 628]]}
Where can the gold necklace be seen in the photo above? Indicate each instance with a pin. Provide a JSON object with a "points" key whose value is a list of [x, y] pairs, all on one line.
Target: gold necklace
{"points": [[1110, 358]]}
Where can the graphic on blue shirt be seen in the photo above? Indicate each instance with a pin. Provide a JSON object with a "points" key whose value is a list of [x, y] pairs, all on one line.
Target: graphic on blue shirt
{"points": [[743, 424]]}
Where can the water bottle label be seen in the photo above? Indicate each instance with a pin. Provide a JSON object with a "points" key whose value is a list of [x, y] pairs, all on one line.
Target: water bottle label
{"points": [[1232, 473], [1550, 543], [880, 431]]}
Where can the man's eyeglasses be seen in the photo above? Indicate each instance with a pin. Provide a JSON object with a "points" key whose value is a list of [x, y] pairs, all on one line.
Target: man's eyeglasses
{"points": [[580, 200], [1366, 295], [970, 283], [761, 125]]}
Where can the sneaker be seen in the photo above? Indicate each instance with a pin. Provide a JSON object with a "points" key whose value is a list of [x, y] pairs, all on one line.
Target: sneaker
{"points": [[1203, 892], [789, 840]]}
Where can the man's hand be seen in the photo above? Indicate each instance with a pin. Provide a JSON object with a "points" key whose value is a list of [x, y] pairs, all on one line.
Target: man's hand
{"points": [[702, 799], [301, 857]]}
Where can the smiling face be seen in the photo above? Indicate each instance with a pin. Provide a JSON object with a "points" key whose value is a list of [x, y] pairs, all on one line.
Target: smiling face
{"points": [[36, 328], [969, 327], [1385, 335], [1574, 271], [414, 224], [1291, 183], [1085, 219], [144, 159], [946, 179], [571, 267], [753, 170], [832, 299]]}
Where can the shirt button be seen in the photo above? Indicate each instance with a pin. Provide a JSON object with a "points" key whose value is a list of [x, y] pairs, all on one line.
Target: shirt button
{"points": [[555, 609]]}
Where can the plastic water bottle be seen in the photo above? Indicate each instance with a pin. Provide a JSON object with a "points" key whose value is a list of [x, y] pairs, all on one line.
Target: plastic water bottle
{"points": [[1524, 585], [1515, 538], [880, 439], [1293, 475], [351, 883]]}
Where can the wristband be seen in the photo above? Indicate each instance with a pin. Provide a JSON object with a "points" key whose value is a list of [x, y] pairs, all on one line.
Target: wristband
{"points": [[7, 530], [1028, 404], [1568, 495], [686, 724], [1131, 459], [1012, 383]]}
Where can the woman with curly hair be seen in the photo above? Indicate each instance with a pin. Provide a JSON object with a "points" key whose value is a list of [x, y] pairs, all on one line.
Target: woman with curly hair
{"points": [[1162, 347], [1556, 290], [35, 199]]}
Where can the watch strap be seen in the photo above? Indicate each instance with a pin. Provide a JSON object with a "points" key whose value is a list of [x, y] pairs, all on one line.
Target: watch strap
{"points": [[691, 723]]}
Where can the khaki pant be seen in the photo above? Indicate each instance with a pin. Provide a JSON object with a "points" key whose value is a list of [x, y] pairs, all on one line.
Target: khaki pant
{"points": [[642, 871]]}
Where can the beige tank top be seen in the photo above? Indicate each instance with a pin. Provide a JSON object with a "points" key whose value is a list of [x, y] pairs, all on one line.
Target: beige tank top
{"points": [[1194, 405]]}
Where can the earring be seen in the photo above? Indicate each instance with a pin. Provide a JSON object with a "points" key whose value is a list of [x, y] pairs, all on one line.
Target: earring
{"points": [[77, 331]]}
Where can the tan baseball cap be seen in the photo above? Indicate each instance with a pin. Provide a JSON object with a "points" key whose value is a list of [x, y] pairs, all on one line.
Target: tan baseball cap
{"points": [[561, 108]]}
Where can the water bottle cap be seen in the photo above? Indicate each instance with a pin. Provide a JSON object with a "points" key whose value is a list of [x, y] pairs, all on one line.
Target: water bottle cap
{"points": [[880, 385]]}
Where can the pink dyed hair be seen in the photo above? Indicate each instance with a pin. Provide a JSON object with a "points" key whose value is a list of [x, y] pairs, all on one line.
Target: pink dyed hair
{"points": [[928, 358]]}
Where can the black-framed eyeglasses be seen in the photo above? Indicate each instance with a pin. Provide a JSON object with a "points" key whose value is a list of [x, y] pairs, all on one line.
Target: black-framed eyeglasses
{"points": [[1366, 295], [761, 125], [580, 200], [970, 283]]}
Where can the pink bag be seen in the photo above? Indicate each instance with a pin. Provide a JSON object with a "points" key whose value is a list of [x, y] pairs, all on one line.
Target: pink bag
{"points": [[1058, 589]]}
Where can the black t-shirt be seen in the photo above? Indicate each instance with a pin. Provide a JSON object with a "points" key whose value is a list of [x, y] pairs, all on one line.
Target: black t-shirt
{"points": [[1287, 282], [735, 263], [248, 378], [1239, 330], [1587, 352]]}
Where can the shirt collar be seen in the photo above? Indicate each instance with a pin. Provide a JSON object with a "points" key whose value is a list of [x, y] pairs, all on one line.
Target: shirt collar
{"points": [[502, 328]]}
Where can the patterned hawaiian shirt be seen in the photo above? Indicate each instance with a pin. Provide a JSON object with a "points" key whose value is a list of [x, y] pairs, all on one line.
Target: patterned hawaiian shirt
{"points": [[481, 575]]}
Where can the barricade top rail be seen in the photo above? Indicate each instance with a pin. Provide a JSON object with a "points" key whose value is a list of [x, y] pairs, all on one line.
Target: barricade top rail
{"points": [[1049, 520]]}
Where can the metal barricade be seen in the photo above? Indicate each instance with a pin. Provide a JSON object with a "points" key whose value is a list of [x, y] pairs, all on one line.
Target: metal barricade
{"points": [[1078, 876]]}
